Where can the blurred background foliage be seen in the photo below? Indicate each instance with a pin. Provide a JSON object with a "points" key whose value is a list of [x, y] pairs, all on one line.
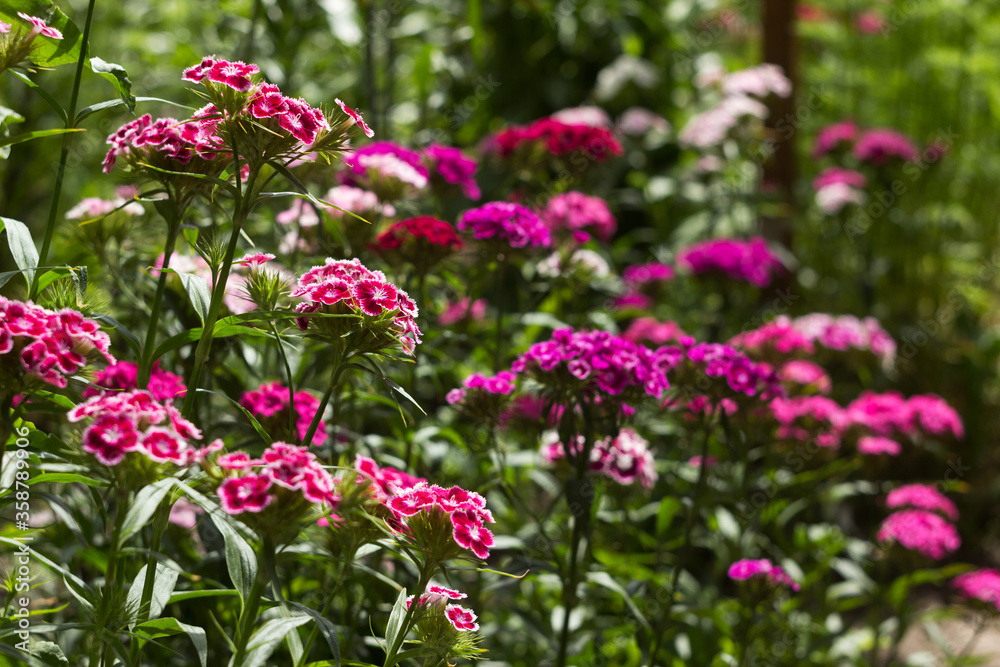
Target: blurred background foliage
{"points": [[452, 72]]}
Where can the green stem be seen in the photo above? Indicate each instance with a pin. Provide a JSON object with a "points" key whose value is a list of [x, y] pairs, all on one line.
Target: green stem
{"points": [[248, 614], [314, 425], [314, 630], [50, 225], [208, 329], [146, 362], [498, 346], [293, 434], [110, 577], [160, 521], [695, 507]]}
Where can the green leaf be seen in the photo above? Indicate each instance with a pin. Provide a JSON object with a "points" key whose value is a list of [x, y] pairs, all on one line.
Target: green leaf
{"points": [[607, 581], [268, 636], [163, 586], [180, 596], [49, 653], [253, 420], [48, 52], [146, 502], [240, 558], [326, 628], [110, 104], [12, 116], [118, 77], [44, 94], [21, 247], [396, 618], [165, 627], [198, 289], [19, 138], [111, 322]]}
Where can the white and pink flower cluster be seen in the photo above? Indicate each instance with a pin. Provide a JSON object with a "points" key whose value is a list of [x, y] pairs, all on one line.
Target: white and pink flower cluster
{"points": [[166, 138], [580, 214], [454, 168], [348, 287], [46, 345], [920, 526], [845, 332], [626, 458], [502, 383], [283, 469], [462, 619], [408, 497], [38, 27], [837, 187], [691, 360], [134, 421], [124, 376]]}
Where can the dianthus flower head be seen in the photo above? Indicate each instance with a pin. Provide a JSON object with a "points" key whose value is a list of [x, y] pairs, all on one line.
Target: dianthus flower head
{"points": [[355, 116], [423, 241], [41, 345], [270, 404], [846, 332], [382, 315], [576, 212], [134, 421], [625, 458], [595, 365], [748, 261], [839, 175], [924, 497], [774, 341], [507, 223], [731, 373], [388, 169], [41, 27], [454, 168], [981, 585], [832, 137], [123, 375], [759, 81], [809, 417], [800, 375], [548, 136], [875, 445], [764, 570], [921, 531], [880, 146], [649, 329]]}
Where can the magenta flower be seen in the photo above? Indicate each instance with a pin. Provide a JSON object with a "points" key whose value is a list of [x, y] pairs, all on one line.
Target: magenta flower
{"points": [[626, 458], [838, 175], [356, 117], [924, 497], [749, 261], [875, 445], [506, 221], [832, 136], [234, 74], [652, 330], [744, 570], [806, 374], [880, 146], [245, 494], [196, 73], [123, 375], [578, 212], [255, 259], [270, 404], [463, 619], [454, 168], [979, 585], [921, 531], [420, 507], [465, 308], [110, 438]]}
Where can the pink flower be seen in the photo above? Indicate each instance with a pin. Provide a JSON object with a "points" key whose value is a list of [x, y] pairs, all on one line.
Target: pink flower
{"points": [[652, 330], [40, 26], [245, 494], [880, 145], [743, 570], [870, 22], [446, 592], [162, 445], [465, 308], [921, 531], [933, 415], [110, 437], [807, 374], [454, 168], [469, 533], [461, 618], [196, 73], [575, 211], [235, 461], [750, 261], [4, 27], [356, 117], [234, 74], [835, 175], [979, 585], [875, 445], [375, 297], [184, 513], [831, 137], [922, 496], [255, 259], [506, 221]]}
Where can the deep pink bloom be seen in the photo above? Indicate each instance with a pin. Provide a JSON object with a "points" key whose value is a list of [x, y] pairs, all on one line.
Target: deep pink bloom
{"points": [[652, 330], [234, 74], [874, 445], [123, 375], [979, 585], [832, 136], [472, 535], [196, 73], [932, 414], [881, 145], [750, 261], [807, 374], [356, 116], [743, 570], [245, 494], [921, 531], [463, 619], [924, 497], [255, 259], [576, 211], [454, 168], [446, 592], [234, 461], [465, 308], [110, 437], [506, 221], [834, 175]]}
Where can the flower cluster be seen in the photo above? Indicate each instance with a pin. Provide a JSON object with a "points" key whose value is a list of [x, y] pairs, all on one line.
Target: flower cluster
{"points": [[17, 48], [692, 362], [284, 475], [167, 144], [595, 363], [774, 341], [924, 497], [579, 214], [626, 458], [800, 374], [650, 329], [462, 619], [270, 405], [837, 187], [423, 241], [384, 481], [845, 332], [764, 570], [134, 421], [554, 137], [454, 168], [95, 207], [383, 314], [759, 81], [880, 146], [510, 223], [420, 510], [801, 416], [392, 171], [750, 261], [981, 585], [483, 398], [124, 376], [40, 344], [834, 137], [919, 530], [463, 309], [891, 414]]}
